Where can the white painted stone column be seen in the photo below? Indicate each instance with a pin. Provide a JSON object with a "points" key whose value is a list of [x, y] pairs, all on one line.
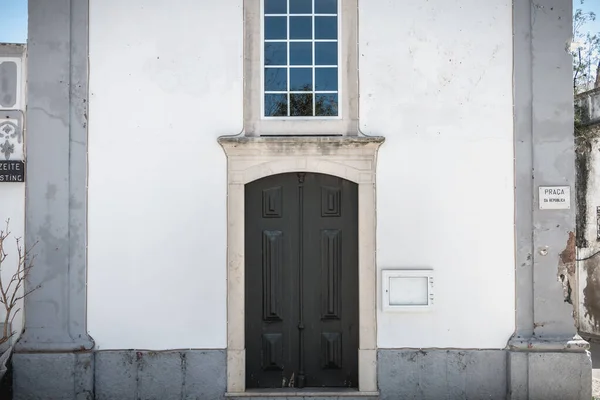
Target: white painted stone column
{"points": [[547, 358], [52, 355]]}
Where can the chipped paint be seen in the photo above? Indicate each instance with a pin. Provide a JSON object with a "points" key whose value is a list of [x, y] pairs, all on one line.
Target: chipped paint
{"points": [[591, 294], [586, 291], [566, 268]]}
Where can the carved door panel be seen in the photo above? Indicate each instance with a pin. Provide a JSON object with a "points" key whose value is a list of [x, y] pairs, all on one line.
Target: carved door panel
{"points": [[301, 285], [331, 281], [271, 290]]}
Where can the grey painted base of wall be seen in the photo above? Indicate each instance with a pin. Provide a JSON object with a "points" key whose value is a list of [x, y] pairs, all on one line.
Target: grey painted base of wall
{"points": [[441, 374], [53, 376], [402, 373], [560, 376], [484, 374], [123, 375], [299, 396]]}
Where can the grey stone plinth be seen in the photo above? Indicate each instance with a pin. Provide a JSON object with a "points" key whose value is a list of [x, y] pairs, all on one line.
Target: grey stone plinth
{"points": [[123, 375], [442, 374], [550, 375], [188, 375], [53, 376], [324, 397]]}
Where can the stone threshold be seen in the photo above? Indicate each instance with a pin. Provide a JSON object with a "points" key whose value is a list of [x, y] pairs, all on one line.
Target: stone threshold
{"points": [[295, 393]]}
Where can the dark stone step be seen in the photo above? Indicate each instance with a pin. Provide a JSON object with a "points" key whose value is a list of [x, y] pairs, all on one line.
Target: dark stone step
{"points": [[303, 394], [307, 398], [324, 396]]}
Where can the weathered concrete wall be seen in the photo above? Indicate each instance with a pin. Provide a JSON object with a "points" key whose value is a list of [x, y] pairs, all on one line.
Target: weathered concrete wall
{"points": [[189, 374], [39, 376], [544, 156], [554, 375], [442, 374], [587, 135], [588, 108], [201, 374], [56, 190], [126, 375]]}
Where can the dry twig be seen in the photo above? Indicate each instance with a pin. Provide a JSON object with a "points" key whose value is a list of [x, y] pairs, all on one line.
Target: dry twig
{"points": [[9, 293]]}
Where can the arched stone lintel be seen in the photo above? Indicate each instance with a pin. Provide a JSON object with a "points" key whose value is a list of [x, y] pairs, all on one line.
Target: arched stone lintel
{"points": [[252, 158]]}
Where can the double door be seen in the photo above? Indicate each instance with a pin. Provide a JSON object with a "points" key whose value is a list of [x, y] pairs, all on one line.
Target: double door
{"points": [[301, 281]]}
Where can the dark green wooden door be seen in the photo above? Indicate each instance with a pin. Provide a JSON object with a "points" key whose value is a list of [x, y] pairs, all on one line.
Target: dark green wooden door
{"points": [[301, 289]]}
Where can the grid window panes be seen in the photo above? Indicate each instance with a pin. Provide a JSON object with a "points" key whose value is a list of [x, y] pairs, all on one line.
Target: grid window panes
{"points": [[301, 57]]}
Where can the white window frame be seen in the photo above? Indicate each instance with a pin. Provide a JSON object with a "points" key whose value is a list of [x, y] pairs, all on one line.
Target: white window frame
{"points": [[345, 124]]}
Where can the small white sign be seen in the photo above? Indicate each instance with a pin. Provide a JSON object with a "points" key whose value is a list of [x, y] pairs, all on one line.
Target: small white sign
{"points": [[407, 290], [555, 197]]}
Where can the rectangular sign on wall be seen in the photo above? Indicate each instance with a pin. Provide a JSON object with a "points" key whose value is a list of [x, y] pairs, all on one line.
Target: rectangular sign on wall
{"points": [[555, 197], [12, 171]]}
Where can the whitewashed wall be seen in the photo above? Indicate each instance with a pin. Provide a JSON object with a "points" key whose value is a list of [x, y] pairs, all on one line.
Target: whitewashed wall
{"points": [[12, 195], [436, 81], [165, 82]]}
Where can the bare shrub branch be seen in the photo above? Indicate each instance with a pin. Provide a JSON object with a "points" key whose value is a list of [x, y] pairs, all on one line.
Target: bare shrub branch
{"points": [[9, 293]]}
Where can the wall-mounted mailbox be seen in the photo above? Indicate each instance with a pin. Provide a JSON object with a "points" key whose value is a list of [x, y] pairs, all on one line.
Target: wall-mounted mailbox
{"points": [[407, 290]]}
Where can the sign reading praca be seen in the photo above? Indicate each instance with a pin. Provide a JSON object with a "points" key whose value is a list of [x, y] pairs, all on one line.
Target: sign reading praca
{"points": [[12, 171], [555, 197]]}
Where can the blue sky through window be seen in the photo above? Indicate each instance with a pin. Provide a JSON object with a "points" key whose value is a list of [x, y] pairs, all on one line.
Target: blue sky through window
{"points": [[13, 28]]}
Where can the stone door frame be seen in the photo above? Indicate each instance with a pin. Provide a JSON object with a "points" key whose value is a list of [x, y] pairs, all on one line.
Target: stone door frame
{"points": [[252, 158]]}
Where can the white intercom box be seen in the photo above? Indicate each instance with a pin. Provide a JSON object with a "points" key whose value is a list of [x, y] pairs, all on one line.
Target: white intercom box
{"points": [[407, 290]]}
